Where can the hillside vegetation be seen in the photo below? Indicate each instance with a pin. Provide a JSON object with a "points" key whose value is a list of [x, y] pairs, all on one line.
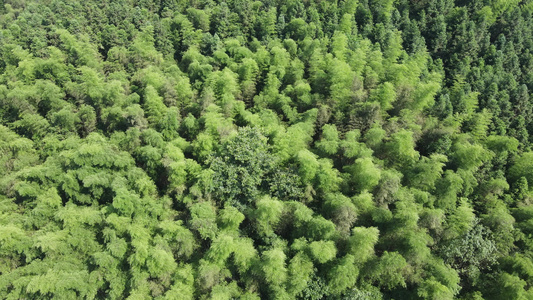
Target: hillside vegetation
{"points": [[316, 149]]}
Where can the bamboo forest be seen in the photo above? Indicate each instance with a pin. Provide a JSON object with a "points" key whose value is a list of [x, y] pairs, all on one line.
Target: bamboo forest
{"points": [[273, 149]]}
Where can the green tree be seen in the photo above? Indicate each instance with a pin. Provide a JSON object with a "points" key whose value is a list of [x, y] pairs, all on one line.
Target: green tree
{"points": [[240, 167]]}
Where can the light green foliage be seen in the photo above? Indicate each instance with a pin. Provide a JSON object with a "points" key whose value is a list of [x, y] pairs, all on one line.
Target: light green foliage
{"points": [[520, 263], [363, 202], [216, 123], [341, 78], [268, 215], [225, 291], [323, 251], [362, 242], [329, 143], [266, 149], [181, 238], [522, 168], [273, 267], [319, 228], [176, 165], [508, 286], [308, 165], [63, 283], [343, 275], [225, 87], [432, 289], [352, 147], [230, 218], [499, 6], [374, 137], [385, 95], [142, 49], [447, 277], [426, 172], [328, 178], [300, 269], [502, 144], [388, 270], [387, 187], [448, 187], [401, 148], [32, 125], [203, 146], [295, 138], [209, 275], [221, 249], [14, 242], [469, 156], [203, 220], [81, 52], [424, 95], [461, 220], [365, 173], [342, 211], [17, 153], [339, 45], [160, 262], [244, 254]]}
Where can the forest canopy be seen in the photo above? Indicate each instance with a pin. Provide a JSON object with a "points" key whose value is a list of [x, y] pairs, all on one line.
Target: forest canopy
{"points": [[238, 149]]}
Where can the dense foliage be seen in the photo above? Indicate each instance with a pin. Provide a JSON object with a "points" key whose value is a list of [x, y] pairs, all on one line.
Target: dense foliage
{"points": [[322, 149]]}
